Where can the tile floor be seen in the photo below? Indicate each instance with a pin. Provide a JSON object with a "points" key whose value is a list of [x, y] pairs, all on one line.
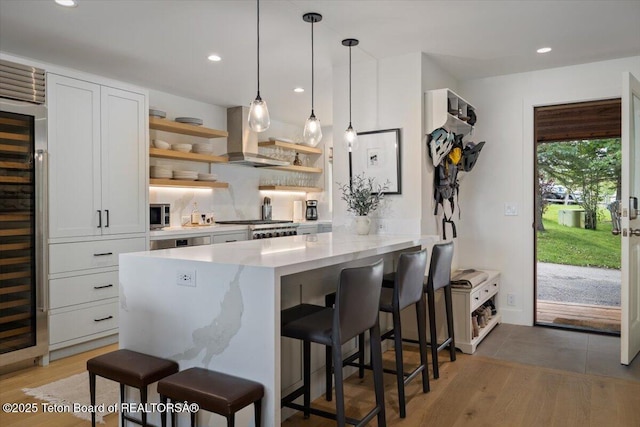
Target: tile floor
{"points": [[559, 349]]}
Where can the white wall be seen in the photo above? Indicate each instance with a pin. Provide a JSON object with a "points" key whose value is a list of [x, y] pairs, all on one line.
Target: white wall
{"points": [[388, 93], [504, 172]]}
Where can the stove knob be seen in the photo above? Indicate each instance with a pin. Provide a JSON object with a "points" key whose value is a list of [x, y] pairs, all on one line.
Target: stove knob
{"points": [[270, 235], [295, 232], [291, 233], [263, 235], [255, 236]]}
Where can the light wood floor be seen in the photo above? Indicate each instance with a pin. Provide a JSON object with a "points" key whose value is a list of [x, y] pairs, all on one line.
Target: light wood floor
{"points": [[473, 391], [590, 316]]}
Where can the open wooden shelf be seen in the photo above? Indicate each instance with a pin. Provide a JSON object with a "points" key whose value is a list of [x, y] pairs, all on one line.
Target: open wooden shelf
{"points": [[185, 129], [179, 183], [13, 148], [293, 168], [290, 188], [15, 136], [172, 154], [304, 149]]}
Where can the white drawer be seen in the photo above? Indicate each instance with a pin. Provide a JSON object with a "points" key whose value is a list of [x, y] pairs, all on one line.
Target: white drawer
{"points": [[483, 293], [83, 322], [230, 237], [64, 257], [81, 289]]}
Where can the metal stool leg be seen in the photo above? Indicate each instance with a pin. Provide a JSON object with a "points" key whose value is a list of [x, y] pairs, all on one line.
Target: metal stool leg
{"points": [[434, 335], [397, 336], [163, 414], [422, 339], [258, 412], [328, 382], [339, 386], [306, 354], [143, 400], [376, 362], [449, 308], [92, 393], [122, 420]]}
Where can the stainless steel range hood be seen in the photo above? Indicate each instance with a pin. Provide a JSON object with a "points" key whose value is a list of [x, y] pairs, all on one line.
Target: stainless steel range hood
{"points": [[242, 142]]}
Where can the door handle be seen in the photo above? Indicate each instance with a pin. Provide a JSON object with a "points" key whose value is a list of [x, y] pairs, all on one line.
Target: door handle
{"points": [[635, 232], [633, 208]]}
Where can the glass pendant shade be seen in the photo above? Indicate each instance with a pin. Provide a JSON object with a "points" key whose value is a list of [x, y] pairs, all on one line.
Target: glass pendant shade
{"points": [[259, 120], [312, 131], [350, 139]]}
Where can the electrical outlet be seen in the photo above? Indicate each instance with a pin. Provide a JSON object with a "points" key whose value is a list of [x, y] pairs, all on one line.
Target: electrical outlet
{"points": [[186, 278], [511, 299], [381, 226]]}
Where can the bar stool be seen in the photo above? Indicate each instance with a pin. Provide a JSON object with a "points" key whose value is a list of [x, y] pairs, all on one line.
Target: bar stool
{"points": [[213, 391], [128, 368], [356, 310], [440, 277], [408, 290]]}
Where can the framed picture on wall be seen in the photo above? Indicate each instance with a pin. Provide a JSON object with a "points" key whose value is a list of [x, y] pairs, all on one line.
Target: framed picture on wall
{"points": [[378, 156]]}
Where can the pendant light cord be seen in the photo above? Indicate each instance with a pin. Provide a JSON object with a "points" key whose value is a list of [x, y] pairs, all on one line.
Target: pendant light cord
{"points": [[258, 51], [349, 86], [312, 66]]}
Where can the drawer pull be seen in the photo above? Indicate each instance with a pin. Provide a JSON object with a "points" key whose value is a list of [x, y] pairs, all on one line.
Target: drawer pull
{"points": [[104, 318], [110, 285], [227, 241], [103, 254]]}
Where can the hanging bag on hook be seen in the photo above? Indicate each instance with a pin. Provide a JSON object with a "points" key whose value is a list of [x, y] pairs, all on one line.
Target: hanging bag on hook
{"points": [[440, 143], [445, 189]]}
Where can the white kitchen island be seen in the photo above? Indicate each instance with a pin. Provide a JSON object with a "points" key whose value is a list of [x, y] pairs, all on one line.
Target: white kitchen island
{"points": [[228, 318]]}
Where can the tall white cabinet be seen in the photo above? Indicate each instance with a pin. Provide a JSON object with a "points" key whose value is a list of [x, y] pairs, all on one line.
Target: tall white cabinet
{"points": [[97, 159], [97, 143]]}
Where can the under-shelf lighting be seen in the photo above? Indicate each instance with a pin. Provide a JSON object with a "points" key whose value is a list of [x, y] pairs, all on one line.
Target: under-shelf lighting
{"points": [[544, 50], [67, 3], [214, 58], [298, 90]]}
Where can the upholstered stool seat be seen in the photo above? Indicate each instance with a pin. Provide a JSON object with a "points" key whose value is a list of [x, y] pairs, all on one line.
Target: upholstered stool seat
{"points": [[128, 368], [213, 391]]}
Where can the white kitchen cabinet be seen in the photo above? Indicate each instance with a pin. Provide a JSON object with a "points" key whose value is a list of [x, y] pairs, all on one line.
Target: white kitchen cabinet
{"points": [[97, 159], [465, 301], [307, 228], [236, 236]]}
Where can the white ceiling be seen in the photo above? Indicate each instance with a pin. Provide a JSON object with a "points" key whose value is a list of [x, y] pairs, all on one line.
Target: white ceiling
{"points": [[164, 44]]}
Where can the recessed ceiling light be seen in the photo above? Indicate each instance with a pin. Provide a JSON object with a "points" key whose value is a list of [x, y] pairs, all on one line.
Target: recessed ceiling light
{"points": [[299, 89], [67, 3], [544, 50], [214, 58]]}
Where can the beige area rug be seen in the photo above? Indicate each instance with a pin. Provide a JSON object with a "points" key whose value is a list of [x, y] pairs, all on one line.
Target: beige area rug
{"points": [[75, 390]]}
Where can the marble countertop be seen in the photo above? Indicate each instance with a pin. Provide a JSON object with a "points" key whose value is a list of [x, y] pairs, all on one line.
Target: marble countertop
{"points": [[292, 250]]}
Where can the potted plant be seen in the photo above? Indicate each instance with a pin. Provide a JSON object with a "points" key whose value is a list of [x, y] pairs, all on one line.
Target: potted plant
{"points": [[362, 197]]}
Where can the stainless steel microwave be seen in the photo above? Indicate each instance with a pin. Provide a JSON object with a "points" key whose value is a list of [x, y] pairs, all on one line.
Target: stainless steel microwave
{"points": [[159, 215]]}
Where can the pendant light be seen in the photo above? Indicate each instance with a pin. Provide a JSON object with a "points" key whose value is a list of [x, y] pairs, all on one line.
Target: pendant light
{"points": [[350, 135], [312, 131], [259, 120]]}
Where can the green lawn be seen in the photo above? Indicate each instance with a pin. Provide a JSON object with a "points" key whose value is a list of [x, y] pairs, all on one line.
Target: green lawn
{"points": [[575, 246]]}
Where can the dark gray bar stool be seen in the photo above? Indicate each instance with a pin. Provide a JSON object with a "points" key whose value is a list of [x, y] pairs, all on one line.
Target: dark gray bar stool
{"points": [[440, 277], [356, 311], [408, 289]]}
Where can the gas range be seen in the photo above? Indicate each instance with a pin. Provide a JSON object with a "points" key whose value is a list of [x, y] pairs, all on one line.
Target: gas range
{"points": [[264, 229]]}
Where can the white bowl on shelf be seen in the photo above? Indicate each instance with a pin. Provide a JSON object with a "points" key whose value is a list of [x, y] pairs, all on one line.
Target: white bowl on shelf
{"points": [[185, 148], [185, 175], [207, 177], [202, 148], [163, 145]]}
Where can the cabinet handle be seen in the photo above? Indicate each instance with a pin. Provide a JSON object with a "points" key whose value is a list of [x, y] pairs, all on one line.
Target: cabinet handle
{"points": [[104, 318], [99, 218], [103, 286], [486, 290], [227, 241], [103, 254], [107, 211], [477, 298]]}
